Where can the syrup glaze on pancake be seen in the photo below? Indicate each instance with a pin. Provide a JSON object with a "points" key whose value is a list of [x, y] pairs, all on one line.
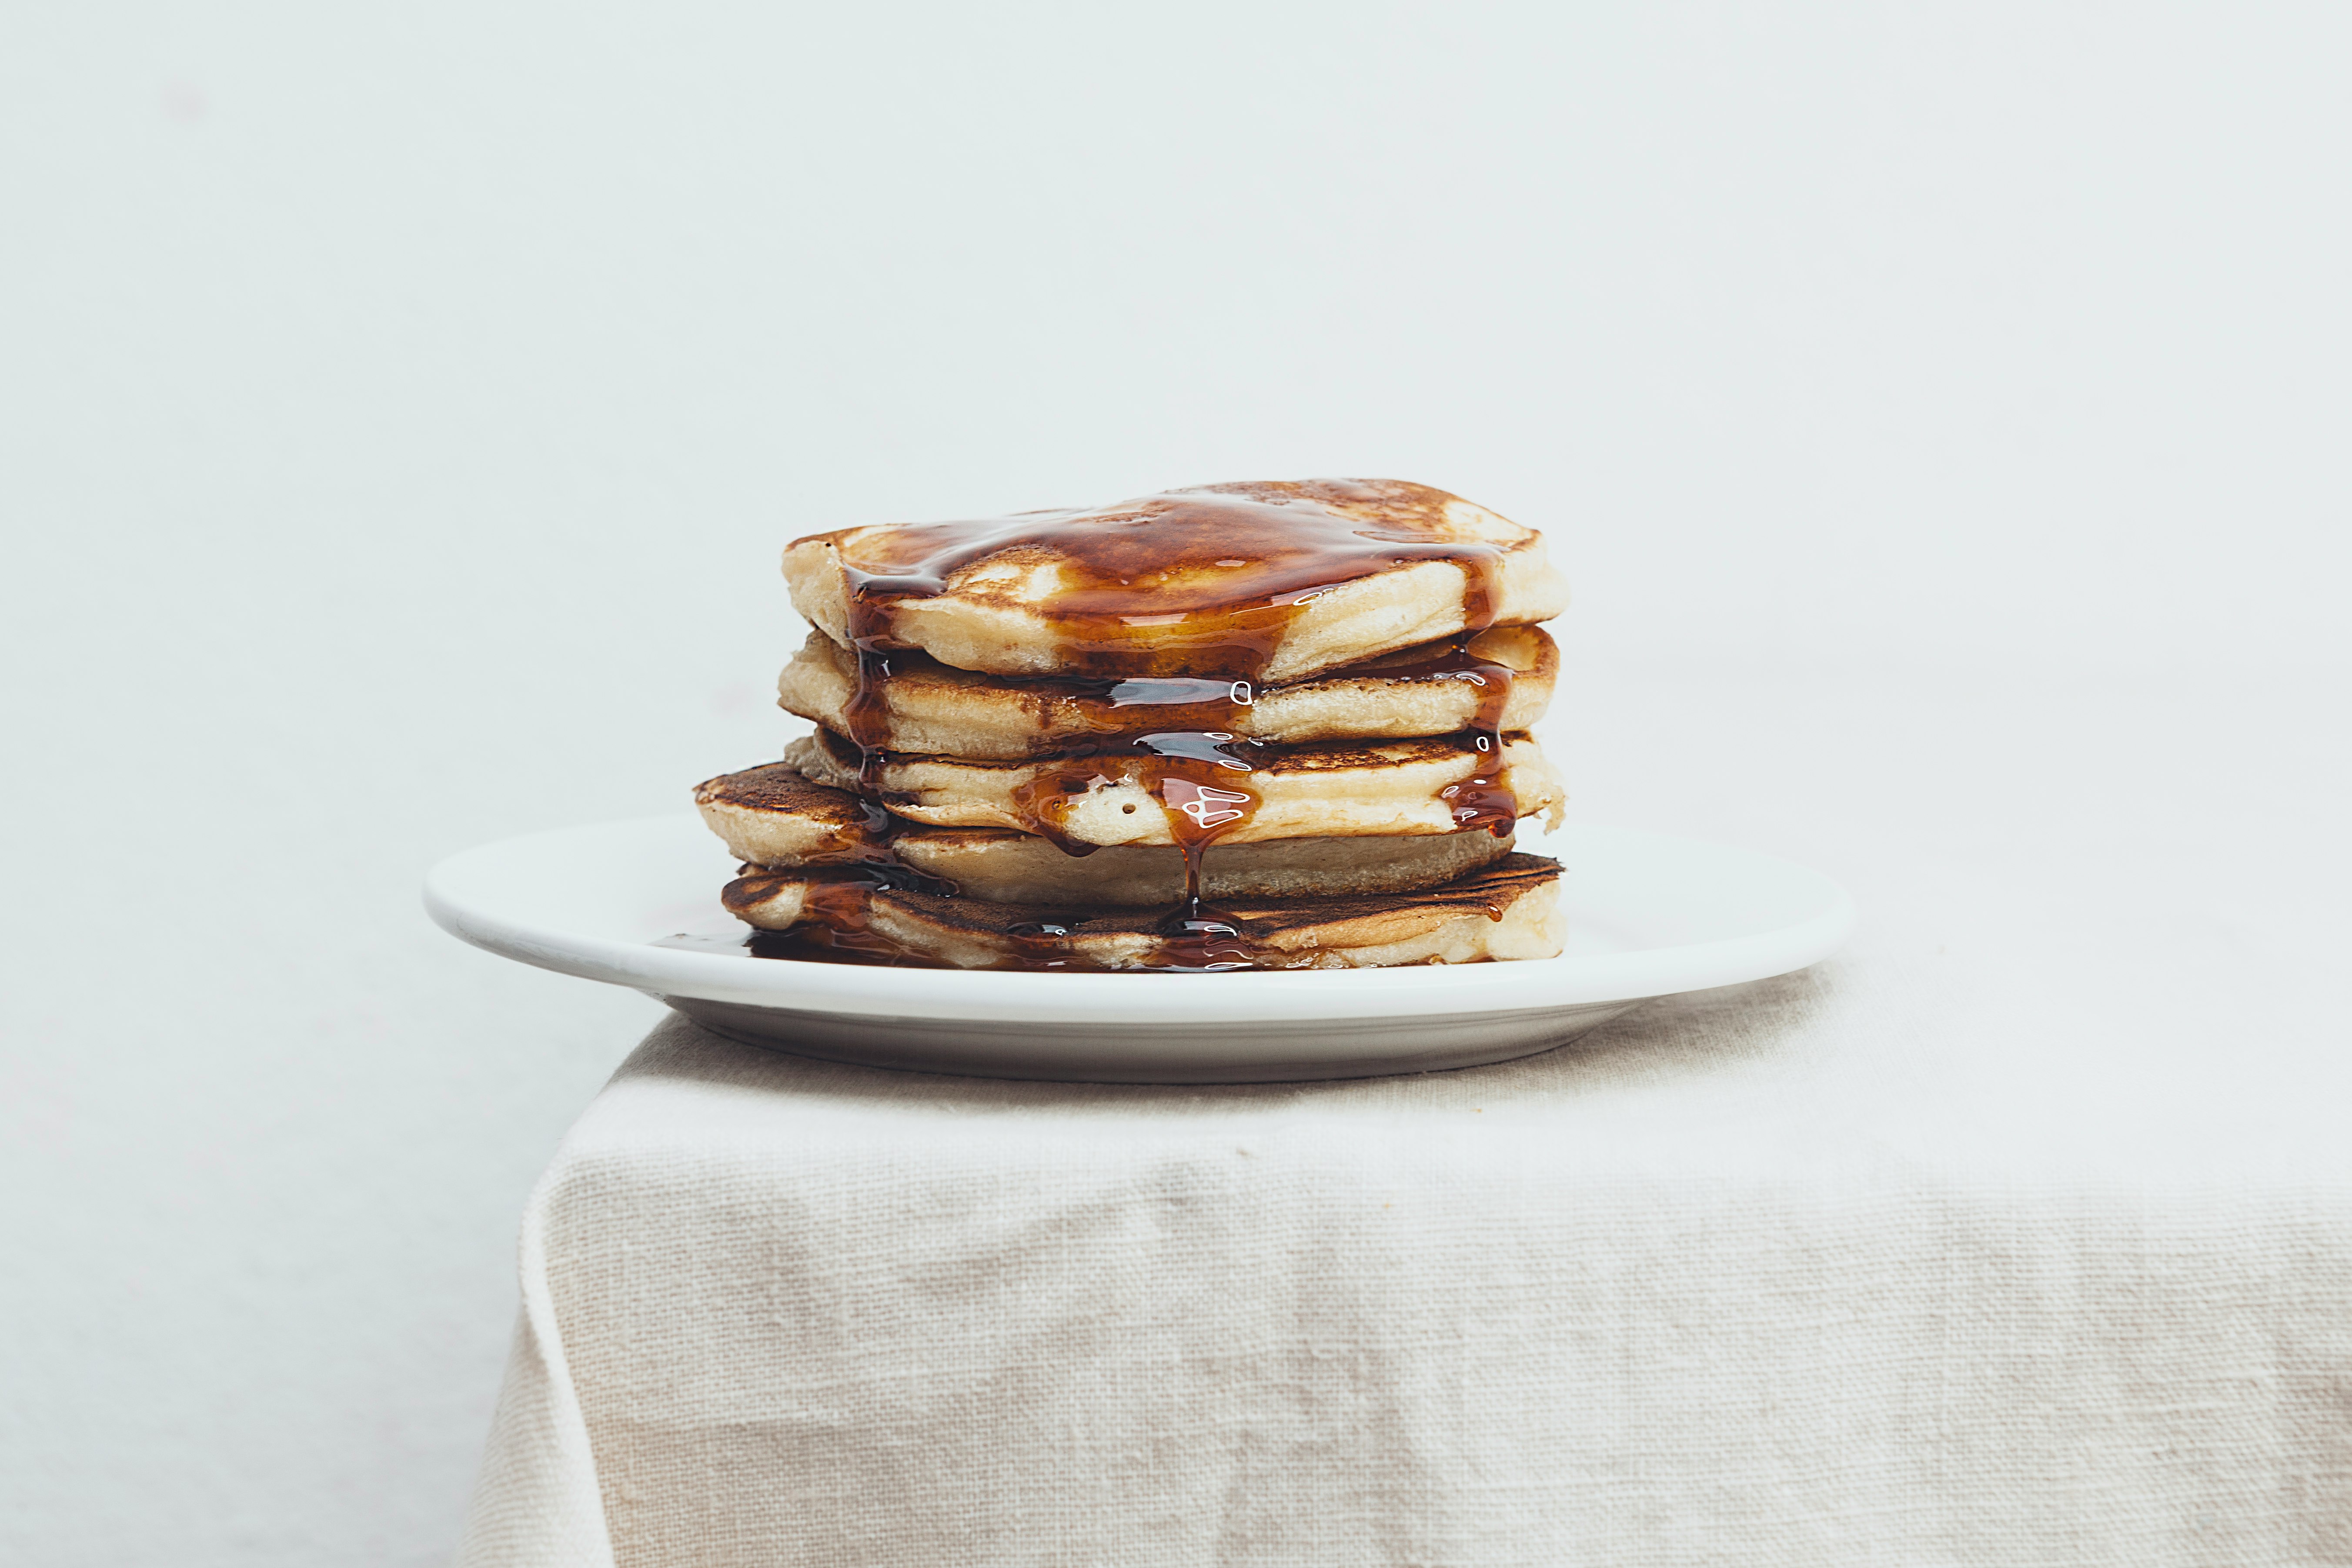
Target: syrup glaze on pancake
{"points": [[1199, 582], [1166, 588]]}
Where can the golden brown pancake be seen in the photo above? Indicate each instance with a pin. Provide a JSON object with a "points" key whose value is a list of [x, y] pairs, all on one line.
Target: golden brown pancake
{"points": [[1504, 912], [933, 708], [774, 819], [772, 816], [1271, 582], [1334, 789]]}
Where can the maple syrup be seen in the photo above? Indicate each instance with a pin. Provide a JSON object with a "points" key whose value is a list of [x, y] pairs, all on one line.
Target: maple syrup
{"points": [[1168, 610], [1201, 582]]}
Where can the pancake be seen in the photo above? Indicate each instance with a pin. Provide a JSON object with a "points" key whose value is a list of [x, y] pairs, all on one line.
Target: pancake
{"points": [[1334, 789], [772, 818], [1270, 581], [1019, 868], [1502, 912], [933, 708]]}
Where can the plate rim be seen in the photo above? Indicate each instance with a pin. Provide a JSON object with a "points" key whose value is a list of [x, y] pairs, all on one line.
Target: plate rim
{"points": [[1573, 979]]}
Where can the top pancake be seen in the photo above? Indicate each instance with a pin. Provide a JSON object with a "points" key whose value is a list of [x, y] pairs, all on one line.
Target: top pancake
{"points": [[1267, 582]]}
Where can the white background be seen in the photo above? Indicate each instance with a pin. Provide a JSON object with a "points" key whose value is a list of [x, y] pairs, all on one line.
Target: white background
{"points": [[1941, 409]]}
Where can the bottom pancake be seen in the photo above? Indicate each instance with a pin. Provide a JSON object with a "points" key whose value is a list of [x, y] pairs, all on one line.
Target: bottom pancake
{"points": [[775, 818], [1503, 912]]}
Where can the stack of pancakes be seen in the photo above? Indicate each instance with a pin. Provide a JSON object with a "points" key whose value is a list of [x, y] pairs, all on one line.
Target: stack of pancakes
{"points": [[1256, 726]]}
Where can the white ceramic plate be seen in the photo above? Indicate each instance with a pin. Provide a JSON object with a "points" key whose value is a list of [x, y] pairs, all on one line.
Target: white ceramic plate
{"points": [[1646, 915]]}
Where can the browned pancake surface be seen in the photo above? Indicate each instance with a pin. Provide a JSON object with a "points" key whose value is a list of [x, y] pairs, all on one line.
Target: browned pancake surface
{"points": [[1268, 580], [1502, 912], [1501, 678]]}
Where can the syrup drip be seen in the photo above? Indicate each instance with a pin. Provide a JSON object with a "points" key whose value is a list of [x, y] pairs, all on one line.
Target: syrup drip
{"points": [[867, 716], [1198, 777], [1196, 939], [867, 713], [1481, 802]]}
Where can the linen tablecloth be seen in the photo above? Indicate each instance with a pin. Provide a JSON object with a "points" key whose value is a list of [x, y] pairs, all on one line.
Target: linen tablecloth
{"points": [[2019, 1233], [1633, 1301]]}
